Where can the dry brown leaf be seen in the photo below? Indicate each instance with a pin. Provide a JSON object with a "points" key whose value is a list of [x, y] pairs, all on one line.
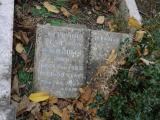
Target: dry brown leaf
{"points": [[62, 103], [147, 62], [133, 23], [93, 111], [23, 105], [100, 19], [29, 70], [70, 108], [112, 56], [39, 97], [86, 94], [52, 100], [146, 52], [112, 8], [79, 104], [47, 115], [36, 111], [15, 85], [19, 48], [65, 114], [50, 8], [24, 56], [24, 37], [16, 98], [139, 35], [74, 9], [56, 110], [65, 12]]}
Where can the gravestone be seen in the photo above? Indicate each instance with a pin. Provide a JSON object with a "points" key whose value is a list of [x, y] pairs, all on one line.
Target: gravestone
{"points": [[102, 43], [67, 57], [6, 38], [61, 60]]}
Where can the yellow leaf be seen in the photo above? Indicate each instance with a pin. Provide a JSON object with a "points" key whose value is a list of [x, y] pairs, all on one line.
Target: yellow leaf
{"points": [[39, 97], [100, 20], [19, 48], [65, 12], [112, 56], [139, 35], [56, 110], [133, 23], [50, 8]]}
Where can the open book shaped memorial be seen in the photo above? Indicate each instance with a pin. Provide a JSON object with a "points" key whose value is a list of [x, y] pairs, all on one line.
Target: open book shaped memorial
{"points": [[66, 57]]}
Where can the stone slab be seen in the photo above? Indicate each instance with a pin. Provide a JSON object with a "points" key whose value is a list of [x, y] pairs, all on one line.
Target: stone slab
{"points": [[6, 33], [128, 8], [7, 113], [61, 60], [102, 43]]}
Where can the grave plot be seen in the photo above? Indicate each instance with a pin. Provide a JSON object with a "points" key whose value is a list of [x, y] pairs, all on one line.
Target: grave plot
{"points": [[67, 62]]}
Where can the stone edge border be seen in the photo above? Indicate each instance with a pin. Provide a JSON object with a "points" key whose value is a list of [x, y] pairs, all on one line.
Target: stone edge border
{"points": [[129, 9]]}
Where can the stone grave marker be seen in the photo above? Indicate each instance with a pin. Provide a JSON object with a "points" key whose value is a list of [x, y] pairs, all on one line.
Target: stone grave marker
{"points": [[7, 112], [61, 60], [102, 42]]}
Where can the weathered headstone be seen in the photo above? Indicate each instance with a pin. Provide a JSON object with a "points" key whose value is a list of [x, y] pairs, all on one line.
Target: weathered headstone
{"points": [[61, 60], [102, 43], [66, 56], [6, 37]]}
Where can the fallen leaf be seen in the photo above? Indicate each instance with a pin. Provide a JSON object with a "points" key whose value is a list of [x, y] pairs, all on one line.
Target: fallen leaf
{"points": [[62, 103], [147, 62], [111, 25], [79, 105], [50, 8], [65, 114], [65, 12], [56, 110], [133, 23], [38, 7], [100, 19], [145, 52], [19, 48], [36, 111], [74, 9], [139, 35], [70, 108], [23, 105], [47, 115], [24, 37], [24, 56], [39, 97], [93, 111], [112, 8], [112, 56], [16, 98], [52, 100], [86, 94], [15, 85]]}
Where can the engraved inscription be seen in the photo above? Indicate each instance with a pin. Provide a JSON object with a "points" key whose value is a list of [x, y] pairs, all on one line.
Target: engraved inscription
{"points": [[60, 60]]}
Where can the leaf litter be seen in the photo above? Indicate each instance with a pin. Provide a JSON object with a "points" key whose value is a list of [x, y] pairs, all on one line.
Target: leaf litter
{"points": [[87, 106]]}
